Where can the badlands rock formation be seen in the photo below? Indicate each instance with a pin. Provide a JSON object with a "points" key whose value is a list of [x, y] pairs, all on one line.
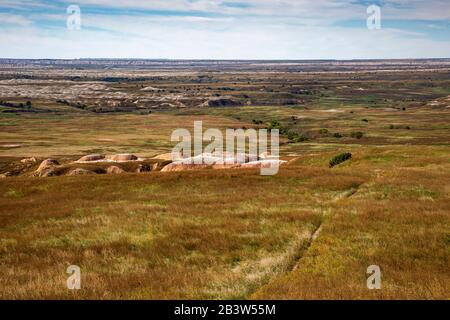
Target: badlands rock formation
{"points": [[46, 168], [92, 157], [125, 157], [122, 157], [80, 172], [114, 170], [226, 161]]}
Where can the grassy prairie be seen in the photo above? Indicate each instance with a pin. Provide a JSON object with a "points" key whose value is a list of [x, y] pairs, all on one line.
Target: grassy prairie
{"points": [[190, 235], [398, 219], [309, 232], [236, 234], [80, 134]]}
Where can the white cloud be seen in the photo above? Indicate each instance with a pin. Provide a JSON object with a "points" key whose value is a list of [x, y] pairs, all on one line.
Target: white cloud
{"points": [[8, 20], [235, 41], [269, 29]]}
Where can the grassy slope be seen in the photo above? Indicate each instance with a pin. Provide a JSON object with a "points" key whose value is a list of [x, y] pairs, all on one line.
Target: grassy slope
{"points": [[232, 234], [398, 219]]}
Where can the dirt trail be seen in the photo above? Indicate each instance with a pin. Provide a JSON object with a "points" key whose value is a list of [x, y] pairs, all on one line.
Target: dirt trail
{"points": [[303, 247], [313, 237]]}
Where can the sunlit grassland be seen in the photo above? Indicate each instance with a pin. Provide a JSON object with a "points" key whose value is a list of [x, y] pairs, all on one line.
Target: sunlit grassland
{"points": [[198, 235], [398, 220], [80, 134], [232, 234]]}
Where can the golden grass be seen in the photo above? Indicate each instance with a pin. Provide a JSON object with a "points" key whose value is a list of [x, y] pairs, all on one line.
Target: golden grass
{"points": [[81, 134], [229, 234]]}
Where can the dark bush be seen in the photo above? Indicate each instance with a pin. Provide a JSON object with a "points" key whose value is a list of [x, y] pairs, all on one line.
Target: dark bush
{"points": [[357, 135], [340, 158], [296, 137], [337, 135], [399, 127], [274, 124]]}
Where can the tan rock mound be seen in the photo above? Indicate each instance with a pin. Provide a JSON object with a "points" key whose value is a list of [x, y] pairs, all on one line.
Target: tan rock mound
{"points": [[213, 161], [11, 146], [49, 172], [29, 160], [80, 172], [122, 157], [219, 159], [47, 164], [263, 164], [225, 166], [114, 170], [92, 157], [178, 166]]}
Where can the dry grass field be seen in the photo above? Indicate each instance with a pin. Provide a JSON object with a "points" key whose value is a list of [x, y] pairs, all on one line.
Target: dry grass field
{"points": [[309, 232]]}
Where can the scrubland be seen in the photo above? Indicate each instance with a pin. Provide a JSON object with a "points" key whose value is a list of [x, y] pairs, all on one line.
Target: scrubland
{"points": [[309, 232]]}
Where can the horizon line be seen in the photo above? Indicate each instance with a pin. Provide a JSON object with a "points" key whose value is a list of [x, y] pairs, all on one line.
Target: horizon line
{"points": [[212, 59]]}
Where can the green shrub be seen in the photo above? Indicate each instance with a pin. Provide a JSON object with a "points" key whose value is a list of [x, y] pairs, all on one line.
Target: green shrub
{"points": [[340, 158], [296, 137], [323, 131], [274, 124], [357, 135], [399, 127], [337, 135]]}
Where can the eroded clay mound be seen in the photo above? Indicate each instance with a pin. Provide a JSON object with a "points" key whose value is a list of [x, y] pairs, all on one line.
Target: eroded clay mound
{"points": [[46, 168], [179, 166], [114, 170], [80, 172], [48, 163], [122, 157], [92, 157], [125, 157], [226, 161], [263, 164]]}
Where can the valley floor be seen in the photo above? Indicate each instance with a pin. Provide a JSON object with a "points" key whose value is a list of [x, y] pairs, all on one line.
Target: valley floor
{"points": [[309, 232], [235, 234]]}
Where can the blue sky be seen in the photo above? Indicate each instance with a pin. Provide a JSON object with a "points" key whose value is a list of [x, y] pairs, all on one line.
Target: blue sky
{"points": [[225, 29]]}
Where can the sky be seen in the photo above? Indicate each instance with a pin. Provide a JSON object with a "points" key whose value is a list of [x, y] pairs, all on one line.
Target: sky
{"points": [[225, 29]]}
